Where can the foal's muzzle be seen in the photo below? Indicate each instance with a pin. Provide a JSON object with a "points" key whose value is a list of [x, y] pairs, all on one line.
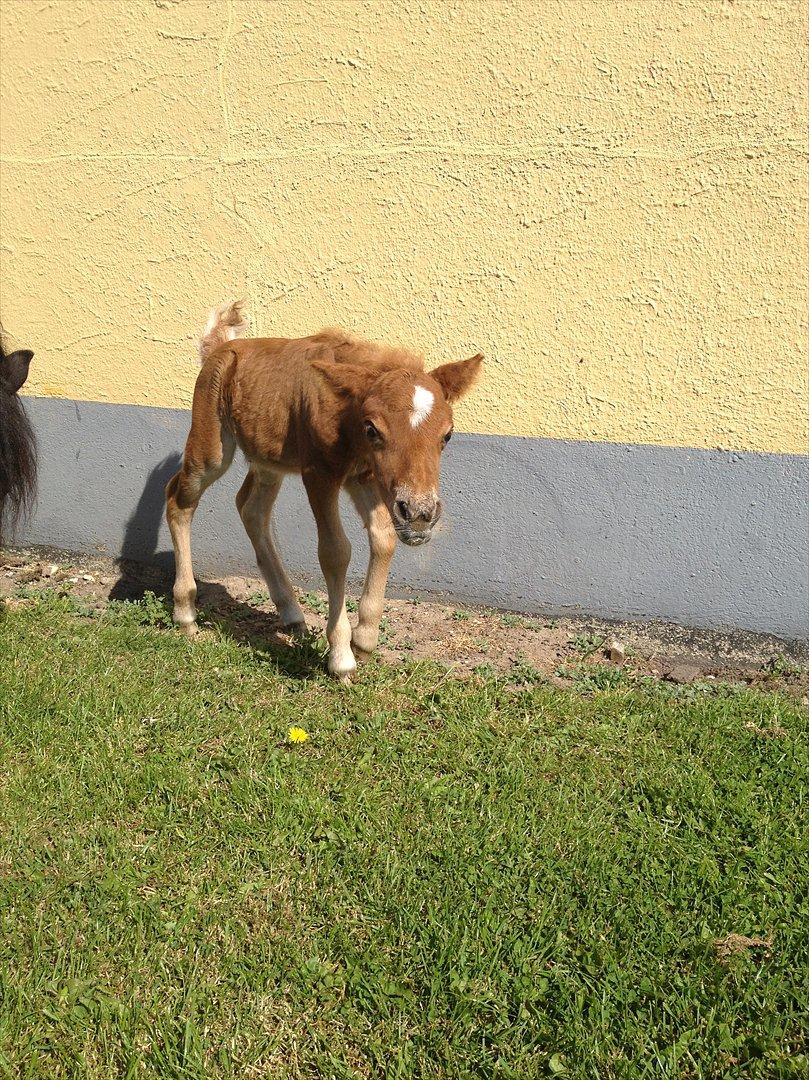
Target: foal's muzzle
{"points": [[414, 518]]}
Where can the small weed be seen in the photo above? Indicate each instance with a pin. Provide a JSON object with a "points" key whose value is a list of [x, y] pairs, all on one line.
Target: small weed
{"points": [[587, 644], [351, 604], [318, 604], [257, 598], [461, 616], [151, 611], [511, 621], [782, 666], [587, 678], [385, 636], [523, 673]]}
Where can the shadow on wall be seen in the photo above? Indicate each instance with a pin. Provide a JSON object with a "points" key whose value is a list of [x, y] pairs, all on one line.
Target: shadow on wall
{"points": [[142, 529]]}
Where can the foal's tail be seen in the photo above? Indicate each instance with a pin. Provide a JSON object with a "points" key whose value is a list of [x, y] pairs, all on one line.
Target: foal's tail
{"points": [[224, 324]]}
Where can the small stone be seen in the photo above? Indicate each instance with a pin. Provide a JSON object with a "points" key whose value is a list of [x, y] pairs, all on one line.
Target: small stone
{"points": [[87, 577], [616, 653], [683, 672], [105, 581]]}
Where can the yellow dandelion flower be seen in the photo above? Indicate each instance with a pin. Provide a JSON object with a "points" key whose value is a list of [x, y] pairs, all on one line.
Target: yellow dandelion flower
{"points": [[297, 734]]}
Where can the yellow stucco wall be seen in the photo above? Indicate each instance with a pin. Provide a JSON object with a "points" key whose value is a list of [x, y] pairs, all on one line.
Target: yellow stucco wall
{"points": [[608, 198]]}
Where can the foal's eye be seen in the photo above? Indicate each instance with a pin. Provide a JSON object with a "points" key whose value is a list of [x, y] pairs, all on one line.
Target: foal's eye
{"points": [[372, 432], [446, 438]]}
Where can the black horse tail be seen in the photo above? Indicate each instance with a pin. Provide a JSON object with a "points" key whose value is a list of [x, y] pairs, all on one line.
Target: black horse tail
{"points": [[18, 449]]}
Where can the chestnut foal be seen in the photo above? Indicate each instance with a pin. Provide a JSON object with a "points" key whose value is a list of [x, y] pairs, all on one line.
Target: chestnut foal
{"points": [[342, 413]]}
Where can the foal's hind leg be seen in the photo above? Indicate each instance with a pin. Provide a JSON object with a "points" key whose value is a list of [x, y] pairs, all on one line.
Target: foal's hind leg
{"points": [[201, 466], [255, 502]]}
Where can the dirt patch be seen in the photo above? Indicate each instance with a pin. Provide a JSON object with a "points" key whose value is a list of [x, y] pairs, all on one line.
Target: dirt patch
{"points": [[563, 650], [734, 944]]}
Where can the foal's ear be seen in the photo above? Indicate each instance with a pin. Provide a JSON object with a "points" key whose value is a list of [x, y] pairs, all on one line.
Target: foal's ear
{"points": [[352, 380], [457, 379], [14, 368]]}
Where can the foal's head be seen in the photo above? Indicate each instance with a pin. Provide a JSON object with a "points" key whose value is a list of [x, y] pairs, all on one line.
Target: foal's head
{"points": [[405, 421]]}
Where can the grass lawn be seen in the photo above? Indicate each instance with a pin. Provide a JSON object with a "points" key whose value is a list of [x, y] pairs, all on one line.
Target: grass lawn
{"points": [[450, 878]]}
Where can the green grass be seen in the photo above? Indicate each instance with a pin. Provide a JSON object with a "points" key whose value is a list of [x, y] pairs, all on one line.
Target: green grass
{"points": [[479, 878]]}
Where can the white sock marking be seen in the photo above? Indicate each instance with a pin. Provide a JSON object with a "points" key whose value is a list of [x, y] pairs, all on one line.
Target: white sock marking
{"points": [[423, 400]]}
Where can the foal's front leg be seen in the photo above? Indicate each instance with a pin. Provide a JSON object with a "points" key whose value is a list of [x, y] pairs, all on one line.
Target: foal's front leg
{"points": [[382, 542], [334, 552]]}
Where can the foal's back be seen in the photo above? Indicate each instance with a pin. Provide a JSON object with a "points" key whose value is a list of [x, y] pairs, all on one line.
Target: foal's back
{"points": [[274, 399]]}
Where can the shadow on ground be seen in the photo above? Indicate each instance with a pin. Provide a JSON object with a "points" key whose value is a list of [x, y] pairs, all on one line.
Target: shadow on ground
{"points": [[143, 568], [219, 609]]}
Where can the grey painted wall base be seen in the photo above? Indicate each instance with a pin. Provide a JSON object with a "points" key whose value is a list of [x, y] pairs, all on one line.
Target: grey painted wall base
{"points": [[704, 538]]}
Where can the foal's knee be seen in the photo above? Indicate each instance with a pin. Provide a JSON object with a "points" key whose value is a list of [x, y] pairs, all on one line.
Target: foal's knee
{"points": [[383, 542]]}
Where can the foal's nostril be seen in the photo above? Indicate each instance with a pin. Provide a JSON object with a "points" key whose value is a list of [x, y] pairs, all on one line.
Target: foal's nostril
{"points": [[403, 510]]}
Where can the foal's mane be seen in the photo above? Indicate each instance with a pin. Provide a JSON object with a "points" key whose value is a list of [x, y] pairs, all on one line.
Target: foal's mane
{"points": [[350, 349]]}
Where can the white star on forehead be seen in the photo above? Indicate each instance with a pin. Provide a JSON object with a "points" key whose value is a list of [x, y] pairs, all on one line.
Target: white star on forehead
{"points": [[423, 400]]}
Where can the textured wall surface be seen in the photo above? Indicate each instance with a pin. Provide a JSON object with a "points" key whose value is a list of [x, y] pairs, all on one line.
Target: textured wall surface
{"points": [[608, 199], [702, 537]]}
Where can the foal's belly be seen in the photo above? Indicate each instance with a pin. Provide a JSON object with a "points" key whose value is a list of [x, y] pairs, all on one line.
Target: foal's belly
{"points": [[268, 442], [272, 470]]}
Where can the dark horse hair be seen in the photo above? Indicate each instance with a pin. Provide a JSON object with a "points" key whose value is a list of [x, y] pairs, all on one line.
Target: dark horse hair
{"points": [[18, 458]]}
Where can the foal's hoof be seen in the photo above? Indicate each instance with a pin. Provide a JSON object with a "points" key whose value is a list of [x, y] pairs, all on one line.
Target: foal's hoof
{"points": [[342, 667], [344, 678], [296, 629], [188, 630]]}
